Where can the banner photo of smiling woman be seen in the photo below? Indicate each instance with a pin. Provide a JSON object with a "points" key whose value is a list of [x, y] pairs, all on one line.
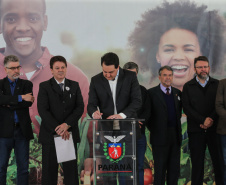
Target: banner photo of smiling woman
{"points": [[174, 34]]}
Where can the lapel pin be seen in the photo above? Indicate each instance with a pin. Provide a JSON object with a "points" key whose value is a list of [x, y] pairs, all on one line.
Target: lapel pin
{"points": [[67, 88]]}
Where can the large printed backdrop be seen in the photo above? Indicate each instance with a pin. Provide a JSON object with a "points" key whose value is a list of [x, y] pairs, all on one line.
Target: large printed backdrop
{"points": [[82, 31]]}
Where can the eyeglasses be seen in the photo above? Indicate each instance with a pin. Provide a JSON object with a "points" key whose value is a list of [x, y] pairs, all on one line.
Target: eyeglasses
{"points": [[13, 68], [200, 67]]}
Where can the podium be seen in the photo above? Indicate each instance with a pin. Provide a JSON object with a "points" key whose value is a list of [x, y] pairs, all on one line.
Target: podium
{"points": [[114, 151]]}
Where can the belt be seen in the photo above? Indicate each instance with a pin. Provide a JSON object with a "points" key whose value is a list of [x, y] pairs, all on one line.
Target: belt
{"points": [[16, 124]]}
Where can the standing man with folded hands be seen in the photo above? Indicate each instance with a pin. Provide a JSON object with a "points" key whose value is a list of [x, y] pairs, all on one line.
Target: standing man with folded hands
{"points": [[60, 105], [198, 98]]}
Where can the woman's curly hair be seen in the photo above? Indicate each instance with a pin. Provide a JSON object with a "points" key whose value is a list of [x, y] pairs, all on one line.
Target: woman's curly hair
{"points": [[207, 25]]}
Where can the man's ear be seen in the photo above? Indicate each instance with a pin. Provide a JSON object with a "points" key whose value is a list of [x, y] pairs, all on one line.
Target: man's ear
{"points": [[45, 22], [51, 71]]}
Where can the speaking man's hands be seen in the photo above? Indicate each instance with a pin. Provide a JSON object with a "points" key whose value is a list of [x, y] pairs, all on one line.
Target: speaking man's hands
{"points": [[97, 115], [115, 116]]}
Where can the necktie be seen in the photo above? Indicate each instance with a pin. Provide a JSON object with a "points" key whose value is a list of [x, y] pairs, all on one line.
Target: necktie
{"points": [[12, 85], [61, 86], [167, 91]]}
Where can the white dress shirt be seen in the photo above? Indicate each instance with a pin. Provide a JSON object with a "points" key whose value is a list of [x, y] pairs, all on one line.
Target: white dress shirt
{"points": [[61, 83], [113, 85]]}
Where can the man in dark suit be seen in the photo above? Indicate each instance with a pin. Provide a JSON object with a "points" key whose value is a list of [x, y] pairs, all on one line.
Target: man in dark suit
{"points": [[142, 113], [117, 94], [198, 98], [165, 128], [220, 106], [15, 100], [60, 105], [115, 91]]}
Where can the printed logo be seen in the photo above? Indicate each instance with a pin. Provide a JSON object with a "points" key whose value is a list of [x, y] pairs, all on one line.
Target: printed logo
{"points": [[116, 150]]}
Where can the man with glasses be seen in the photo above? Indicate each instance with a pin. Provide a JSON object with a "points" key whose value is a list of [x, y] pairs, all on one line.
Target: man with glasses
{"points": [[198, 99], [15, 123]]}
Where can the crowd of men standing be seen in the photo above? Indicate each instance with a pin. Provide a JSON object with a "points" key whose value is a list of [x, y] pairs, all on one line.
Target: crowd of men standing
{"points": [[115, 94]]}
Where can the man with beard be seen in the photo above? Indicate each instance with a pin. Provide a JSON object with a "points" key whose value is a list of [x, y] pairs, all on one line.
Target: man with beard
{"points": [[15, 122], [198, 100]]}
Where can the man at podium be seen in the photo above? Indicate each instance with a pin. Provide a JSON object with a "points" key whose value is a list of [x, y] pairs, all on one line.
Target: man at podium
{"points": [[115, 91], [114, 94]]}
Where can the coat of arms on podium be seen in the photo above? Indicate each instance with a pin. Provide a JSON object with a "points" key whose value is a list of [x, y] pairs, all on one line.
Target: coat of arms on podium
{"points": [[116, 150]]}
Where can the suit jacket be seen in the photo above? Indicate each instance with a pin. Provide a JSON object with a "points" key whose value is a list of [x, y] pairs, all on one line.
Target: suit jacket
{"points": [[21, 108], [144, 111], [220, 105], [159, 116], [128, 95], [56, 107], [199, 103]]}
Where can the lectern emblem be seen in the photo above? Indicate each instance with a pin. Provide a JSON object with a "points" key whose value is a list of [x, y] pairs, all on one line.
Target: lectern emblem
{"points": [[116, 151]]}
